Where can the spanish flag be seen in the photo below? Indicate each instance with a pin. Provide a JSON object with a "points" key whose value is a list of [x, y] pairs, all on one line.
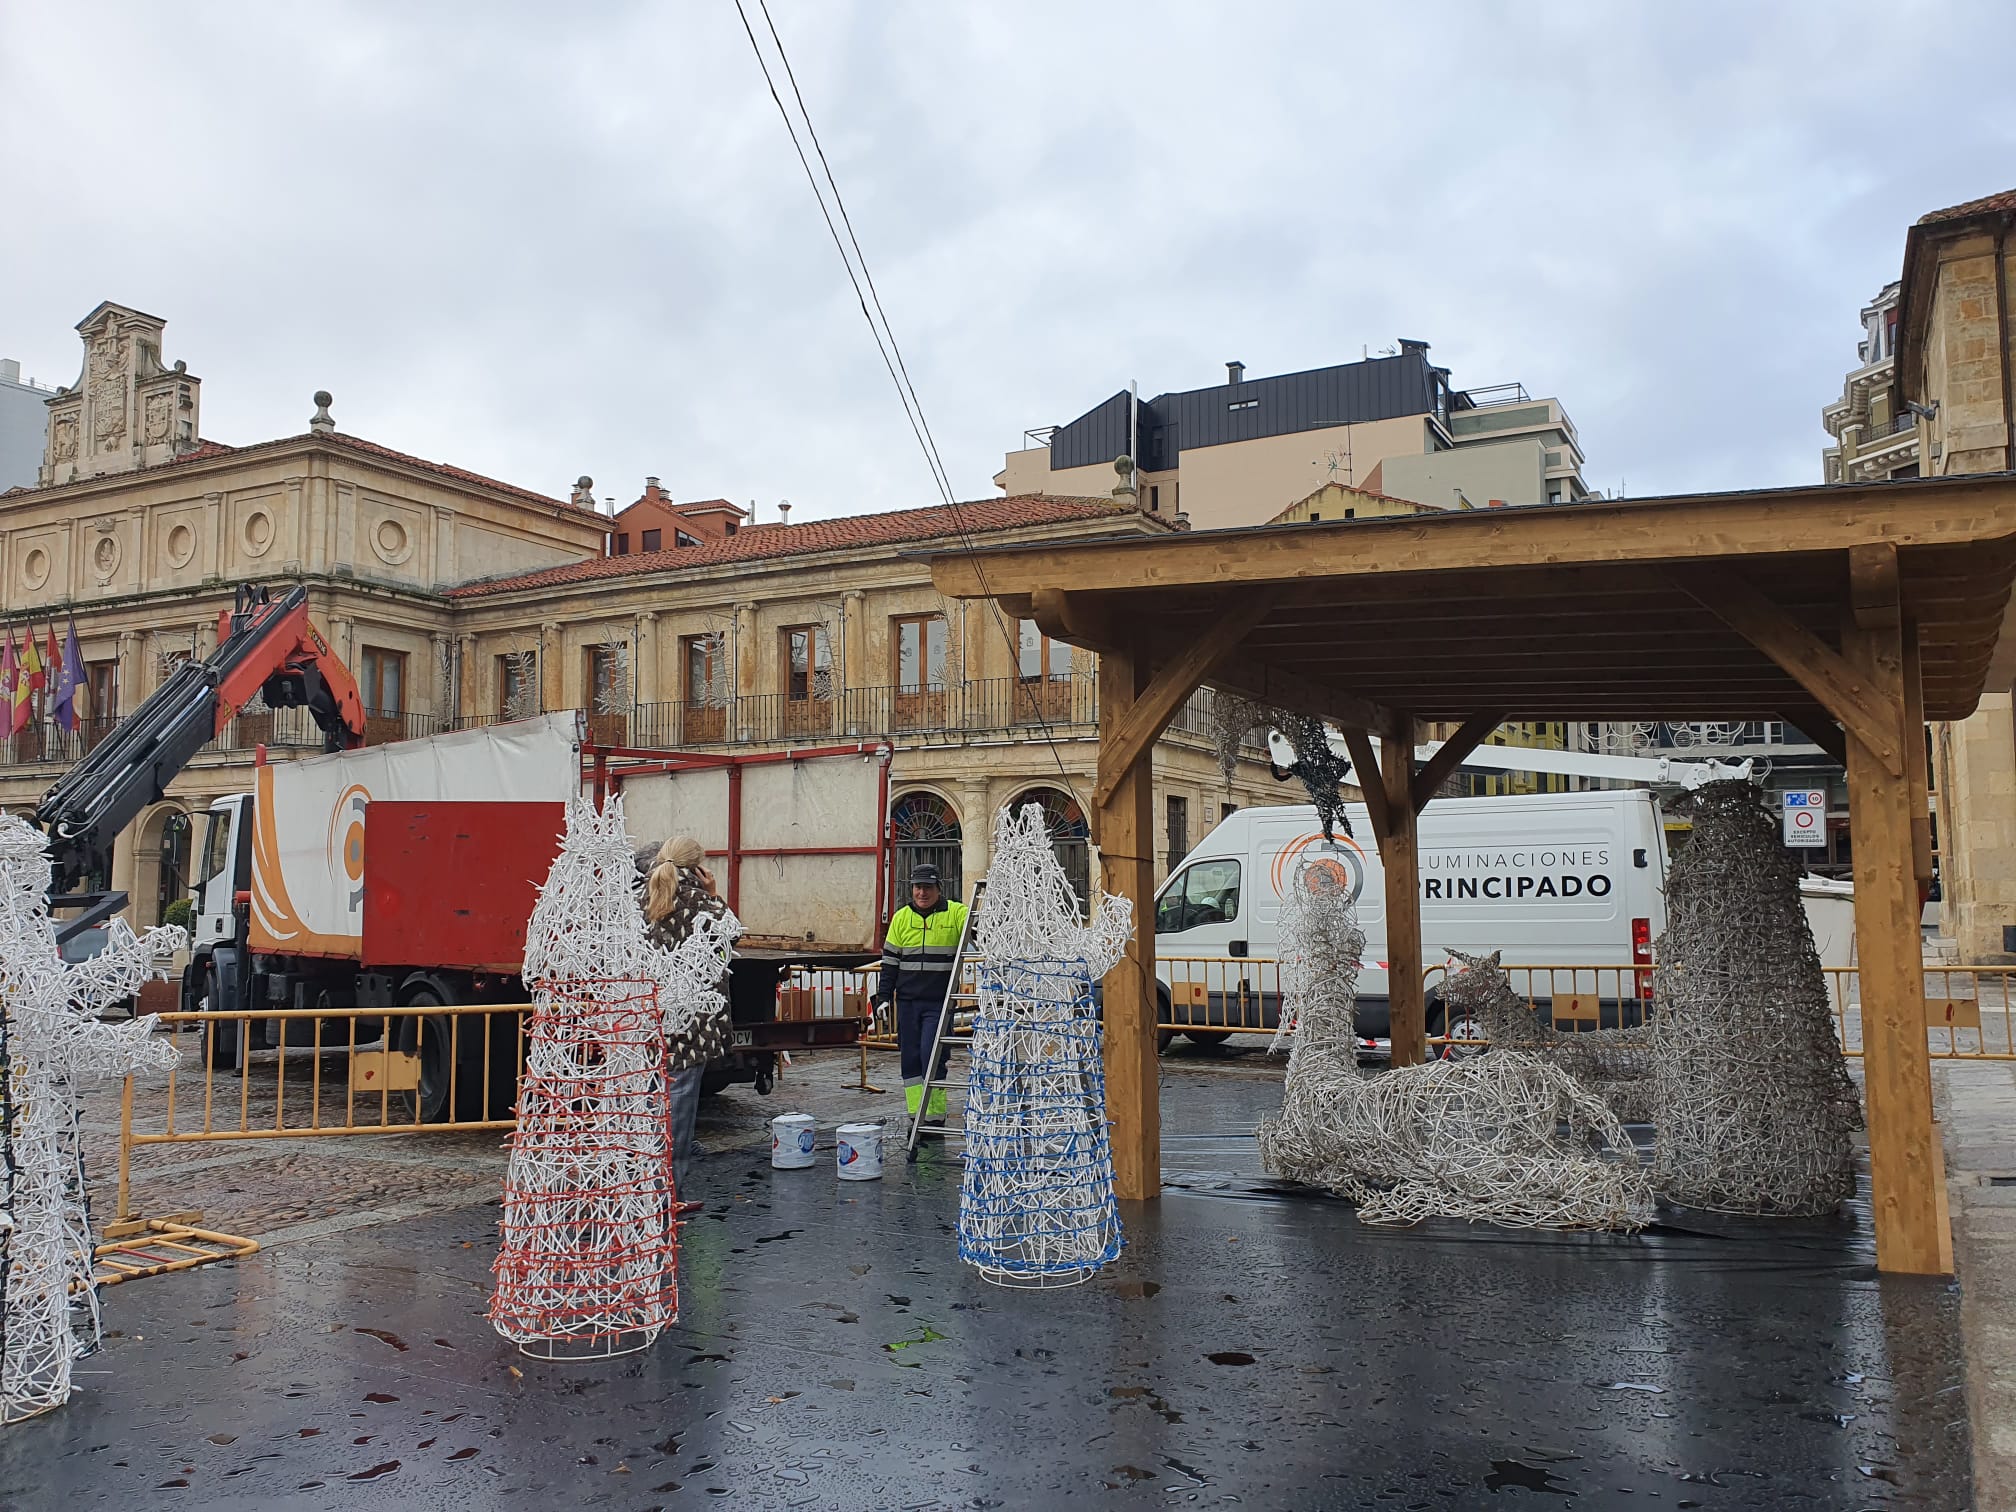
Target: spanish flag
{"points": [[31, 663]]}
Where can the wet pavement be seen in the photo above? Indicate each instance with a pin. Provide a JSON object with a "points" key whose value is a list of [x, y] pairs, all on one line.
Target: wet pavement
{"points": [[1250, 1347]]}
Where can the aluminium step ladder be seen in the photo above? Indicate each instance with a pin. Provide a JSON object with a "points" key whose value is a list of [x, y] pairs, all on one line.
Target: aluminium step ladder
{"points": [[946, 1035]]}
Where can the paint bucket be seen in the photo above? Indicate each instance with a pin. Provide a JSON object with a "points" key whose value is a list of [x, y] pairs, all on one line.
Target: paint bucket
{"points": [[857, 1151], [791, 1141]]}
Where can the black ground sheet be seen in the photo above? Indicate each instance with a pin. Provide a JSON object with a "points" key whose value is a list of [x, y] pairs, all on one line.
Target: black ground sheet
{"points": [[1252, 1346]]}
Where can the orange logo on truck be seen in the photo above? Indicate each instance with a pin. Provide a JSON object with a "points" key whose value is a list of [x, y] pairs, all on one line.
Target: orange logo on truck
{"points": [[1341, 856]]}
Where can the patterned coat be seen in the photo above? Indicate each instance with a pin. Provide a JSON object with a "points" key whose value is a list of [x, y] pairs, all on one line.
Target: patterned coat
{"points": [[708, 1038]]}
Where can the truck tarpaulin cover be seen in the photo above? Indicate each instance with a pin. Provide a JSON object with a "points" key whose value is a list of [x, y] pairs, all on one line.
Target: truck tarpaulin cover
{"points": [[821, 803], [308, 819]]}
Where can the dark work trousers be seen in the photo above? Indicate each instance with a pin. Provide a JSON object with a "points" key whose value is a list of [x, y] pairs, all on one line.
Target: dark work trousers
{"points": [[916, 1024]]}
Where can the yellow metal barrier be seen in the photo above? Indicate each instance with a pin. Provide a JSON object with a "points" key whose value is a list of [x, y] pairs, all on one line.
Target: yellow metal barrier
{"points": [[306, 1091], [1967, 1011]]}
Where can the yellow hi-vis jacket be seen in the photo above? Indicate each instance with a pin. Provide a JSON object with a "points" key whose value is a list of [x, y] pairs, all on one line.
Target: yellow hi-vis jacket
{"points": [[917, 953]]}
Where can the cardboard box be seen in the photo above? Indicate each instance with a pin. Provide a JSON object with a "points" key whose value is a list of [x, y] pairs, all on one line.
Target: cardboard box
{"points": [[854, 1005], [795, 1005]]}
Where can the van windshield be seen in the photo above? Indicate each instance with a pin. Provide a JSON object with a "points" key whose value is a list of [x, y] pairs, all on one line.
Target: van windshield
{"points": [[1206, 892], [216, 844]]}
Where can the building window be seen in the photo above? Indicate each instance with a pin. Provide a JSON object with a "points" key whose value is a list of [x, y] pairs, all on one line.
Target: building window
{"points": [[518, 685], [920, 653], [102, 712], [608, 676], [1039, 657], [1155, 497], [1226, 811], [1243, 404], [622, 543], [732, 527], [680, 538], [808, 664], [384, 683], [652, 539], [703, 687], [1179, 829], [1070, 838]]}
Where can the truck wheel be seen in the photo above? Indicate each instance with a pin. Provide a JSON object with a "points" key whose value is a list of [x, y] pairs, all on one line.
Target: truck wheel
{"points": [[464, 1033], [1208, 1037], [223, 1039]]}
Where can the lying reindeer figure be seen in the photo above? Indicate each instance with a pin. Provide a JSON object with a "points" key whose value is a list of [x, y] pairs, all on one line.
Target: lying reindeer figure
{"points": [[1615, 1064]]}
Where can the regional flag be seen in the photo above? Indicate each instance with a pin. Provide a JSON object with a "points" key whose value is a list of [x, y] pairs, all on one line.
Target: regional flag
{"points": [[21, 695], [70, 678]]}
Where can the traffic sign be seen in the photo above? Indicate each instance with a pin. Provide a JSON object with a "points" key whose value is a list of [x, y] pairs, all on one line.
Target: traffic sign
{"points": [[1805, 812]]}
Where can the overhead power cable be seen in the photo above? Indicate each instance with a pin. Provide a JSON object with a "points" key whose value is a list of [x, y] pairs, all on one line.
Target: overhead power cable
{"points": [[855, 261]]}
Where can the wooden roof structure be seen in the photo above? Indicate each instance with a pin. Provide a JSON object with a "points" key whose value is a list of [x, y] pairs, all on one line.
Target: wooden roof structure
{"points": [[1856, 612]]}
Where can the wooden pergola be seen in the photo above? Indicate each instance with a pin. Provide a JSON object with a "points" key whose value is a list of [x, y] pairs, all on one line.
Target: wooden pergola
{"points": [[1856, 613]]}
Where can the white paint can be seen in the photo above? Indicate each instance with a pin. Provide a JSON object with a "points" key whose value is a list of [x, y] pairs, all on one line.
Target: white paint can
{"points": [[857, 1151], [791, 1141]]}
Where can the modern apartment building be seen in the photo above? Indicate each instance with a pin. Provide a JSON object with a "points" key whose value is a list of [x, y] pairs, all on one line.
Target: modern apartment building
{"points": [[24, 424], [1242, 452]]}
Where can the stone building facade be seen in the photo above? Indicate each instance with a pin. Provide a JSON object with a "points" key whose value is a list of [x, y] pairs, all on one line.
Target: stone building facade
{"points": [[457, 599], [1956, 345]]}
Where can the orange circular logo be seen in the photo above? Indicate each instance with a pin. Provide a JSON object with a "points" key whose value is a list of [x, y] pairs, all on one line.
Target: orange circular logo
{"points": [[1338, 861]]}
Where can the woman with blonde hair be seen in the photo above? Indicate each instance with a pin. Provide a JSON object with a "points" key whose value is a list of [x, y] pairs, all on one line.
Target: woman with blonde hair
{"points": [[677, 890]]}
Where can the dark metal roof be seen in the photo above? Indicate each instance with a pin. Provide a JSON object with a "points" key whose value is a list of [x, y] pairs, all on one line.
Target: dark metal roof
{"points": [[1351, 393]]}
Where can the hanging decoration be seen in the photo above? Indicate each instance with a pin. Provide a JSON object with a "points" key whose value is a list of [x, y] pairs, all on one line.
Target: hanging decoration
{"points": [[1481, 1139], [587, 1263], [1752, 1098], [1036, 1204], [52, 1042]]}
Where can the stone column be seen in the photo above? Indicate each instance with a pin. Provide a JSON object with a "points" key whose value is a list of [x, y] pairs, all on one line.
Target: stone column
{"points": [[644, 675], [552, 671], [444, 675], [748, 669], [468, 679], [976, 831], [854, 671], [132, 683]]}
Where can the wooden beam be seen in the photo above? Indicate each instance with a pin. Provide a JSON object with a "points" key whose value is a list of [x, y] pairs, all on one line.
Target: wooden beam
{"points": [[1728, 527], [1371, 781], [1245, 677], [1076, 620], [1873, 585], [1439, 767], [1400, 857], [1840, 688], [1904, 1168], [1125, 833], [1819, 727], [1149, 715], [1916, 762]]}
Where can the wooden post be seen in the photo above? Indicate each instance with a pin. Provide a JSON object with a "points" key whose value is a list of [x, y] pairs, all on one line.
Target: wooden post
{"points": [[1916, 762], [1904, 1168], [1125, 832], [1401, 861]]}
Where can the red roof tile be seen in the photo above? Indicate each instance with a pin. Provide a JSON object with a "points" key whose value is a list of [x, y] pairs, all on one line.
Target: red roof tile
{"points": [[763, 542], [2006, 200]]}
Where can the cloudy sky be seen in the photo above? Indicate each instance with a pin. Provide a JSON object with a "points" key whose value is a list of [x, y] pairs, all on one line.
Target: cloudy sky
{"points": [[538, 241]]}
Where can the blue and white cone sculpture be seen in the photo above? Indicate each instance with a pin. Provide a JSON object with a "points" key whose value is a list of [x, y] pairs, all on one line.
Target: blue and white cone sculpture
{"points": [[1036, 1208]]}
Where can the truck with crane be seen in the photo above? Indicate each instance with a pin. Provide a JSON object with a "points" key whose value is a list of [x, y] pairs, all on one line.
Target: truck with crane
{"points": [[404, 874]]}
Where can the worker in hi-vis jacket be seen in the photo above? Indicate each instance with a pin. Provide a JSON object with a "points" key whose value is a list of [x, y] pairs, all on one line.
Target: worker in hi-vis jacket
{"points": [[917, 960]]}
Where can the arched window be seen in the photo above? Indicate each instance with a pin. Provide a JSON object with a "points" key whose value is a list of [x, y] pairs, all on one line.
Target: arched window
{"points": [[926, 830], [1070, 836]]}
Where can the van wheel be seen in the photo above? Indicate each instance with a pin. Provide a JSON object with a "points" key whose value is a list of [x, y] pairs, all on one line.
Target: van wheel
{"points": [[1211, 1038]]}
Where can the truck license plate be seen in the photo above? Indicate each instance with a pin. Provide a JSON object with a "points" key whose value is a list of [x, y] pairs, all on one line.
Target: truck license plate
{"points": [[742, 1037]]}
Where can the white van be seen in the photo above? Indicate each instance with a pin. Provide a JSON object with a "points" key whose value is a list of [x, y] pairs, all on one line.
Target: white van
{"points": [[1548, 879]]}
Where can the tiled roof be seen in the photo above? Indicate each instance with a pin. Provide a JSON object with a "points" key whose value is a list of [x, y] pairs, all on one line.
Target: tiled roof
{"points": [[764, 542], [2006, 200]]}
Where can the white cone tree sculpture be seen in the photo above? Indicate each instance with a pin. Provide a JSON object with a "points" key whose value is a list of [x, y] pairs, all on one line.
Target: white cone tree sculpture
{"points": [[1751, 1096], [1036, 1205], [1477, 1139], [587, 1264], [51, 1043]]}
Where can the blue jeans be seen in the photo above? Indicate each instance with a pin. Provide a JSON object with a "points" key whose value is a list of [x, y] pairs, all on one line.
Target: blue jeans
{"points": [[683, 1095]]}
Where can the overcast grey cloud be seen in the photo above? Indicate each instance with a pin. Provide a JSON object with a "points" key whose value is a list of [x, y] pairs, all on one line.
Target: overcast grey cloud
{"points": [[538, 241]]}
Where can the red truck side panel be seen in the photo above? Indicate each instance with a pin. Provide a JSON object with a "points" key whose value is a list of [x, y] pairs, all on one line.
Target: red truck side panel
{"points": [[452, 884]]}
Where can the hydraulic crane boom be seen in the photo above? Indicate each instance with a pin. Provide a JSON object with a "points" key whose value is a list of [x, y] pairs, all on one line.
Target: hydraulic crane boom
{"points": [[265, 646]]}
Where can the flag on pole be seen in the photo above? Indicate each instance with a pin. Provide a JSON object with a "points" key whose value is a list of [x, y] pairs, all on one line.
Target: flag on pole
{"points": [[32, 666], [17, 682], [70, 678], [51, 657], [10, 672]]}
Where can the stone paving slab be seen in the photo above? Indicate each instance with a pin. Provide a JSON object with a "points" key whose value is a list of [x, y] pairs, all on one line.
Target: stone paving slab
{"points": [[1977, 1112]]}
